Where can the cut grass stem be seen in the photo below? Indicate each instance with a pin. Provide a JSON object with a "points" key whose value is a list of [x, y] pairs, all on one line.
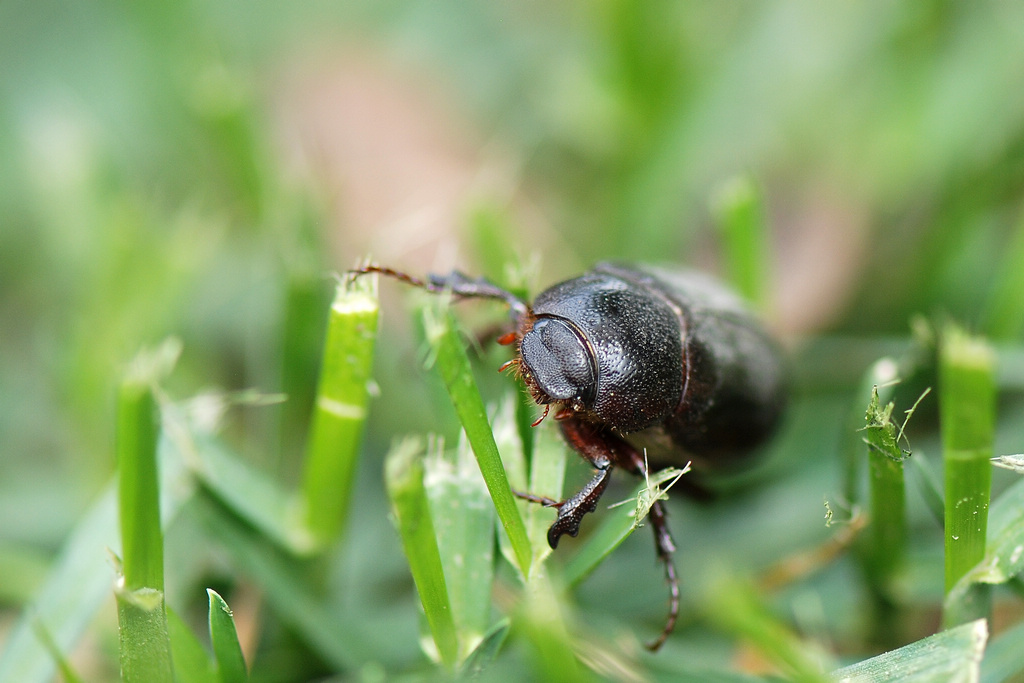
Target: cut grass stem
{"points": [[339, 412], [967, 413]]}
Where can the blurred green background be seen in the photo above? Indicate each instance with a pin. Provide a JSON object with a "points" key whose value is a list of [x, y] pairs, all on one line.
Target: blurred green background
{"points": [[199, 168]]}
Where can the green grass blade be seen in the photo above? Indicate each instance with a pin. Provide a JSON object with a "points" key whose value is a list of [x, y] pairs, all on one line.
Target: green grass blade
{"points": [[144, 642], [951, 656], [882, 373], [967, 413], [67, 672], [79, 581], [403, 475], [736, 608], [23, 569], [930, 488], [453, 364], [1004, 656], [145, 645], [340, 409], [547, 478], [463, 519], [192, 663], [281, 575], [741, 221], [886, 538], [226, 650], [540, 618], [142, 539], [249, 492], [1004, 312], [1004, 555], [486, 650], [77, 585]]}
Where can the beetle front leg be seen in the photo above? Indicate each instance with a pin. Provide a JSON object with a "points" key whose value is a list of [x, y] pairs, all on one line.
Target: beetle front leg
{"points": [[570, 513]]}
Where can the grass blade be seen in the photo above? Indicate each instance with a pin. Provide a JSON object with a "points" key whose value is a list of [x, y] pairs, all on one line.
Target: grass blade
{"points": [[226, 650], [453, 364], [1004, 312], [67, 672], [952, 656], [403, 475], [280, 574], [142, 540], [192, 663], [145, 644], [967, 413], [340, 409], [741, 221], [887, 533], [540, 618], [738, 609], [144, 641], [464, 522], [486, 650]]}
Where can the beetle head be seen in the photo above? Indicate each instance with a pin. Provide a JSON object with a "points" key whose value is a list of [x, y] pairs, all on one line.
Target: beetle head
{"points": [[559, 366]]}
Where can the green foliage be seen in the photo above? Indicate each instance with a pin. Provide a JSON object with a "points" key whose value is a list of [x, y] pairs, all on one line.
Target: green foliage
{"points": [[184, 169]]}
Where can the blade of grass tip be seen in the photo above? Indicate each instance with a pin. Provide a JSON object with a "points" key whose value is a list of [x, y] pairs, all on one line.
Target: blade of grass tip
{"points": [[192, 663], [340, 409], [224, 638], [464, 523], [736, 608], [453, 364], [967, 415], [403, 476], [740, 217]]}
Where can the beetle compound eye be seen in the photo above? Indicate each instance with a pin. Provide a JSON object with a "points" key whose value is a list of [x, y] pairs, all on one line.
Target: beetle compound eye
{"points": [[558, 359]]}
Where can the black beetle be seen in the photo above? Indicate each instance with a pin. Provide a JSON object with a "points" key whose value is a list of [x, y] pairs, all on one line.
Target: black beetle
{"points": [[647, 366]]}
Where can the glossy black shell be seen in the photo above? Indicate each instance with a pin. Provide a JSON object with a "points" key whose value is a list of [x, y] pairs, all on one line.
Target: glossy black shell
{"points": [[671, 359]]}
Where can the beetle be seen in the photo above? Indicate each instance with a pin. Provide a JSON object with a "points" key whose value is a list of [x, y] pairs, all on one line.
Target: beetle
{"points": [[647, 367]]}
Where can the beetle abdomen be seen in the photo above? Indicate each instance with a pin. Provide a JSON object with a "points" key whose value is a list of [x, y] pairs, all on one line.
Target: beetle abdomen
{"points": [[734, 383]]}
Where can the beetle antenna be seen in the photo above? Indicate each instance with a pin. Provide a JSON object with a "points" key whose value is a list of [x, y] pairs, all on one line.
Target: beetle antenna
{"points": [[457, 283], [547, 407]]}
